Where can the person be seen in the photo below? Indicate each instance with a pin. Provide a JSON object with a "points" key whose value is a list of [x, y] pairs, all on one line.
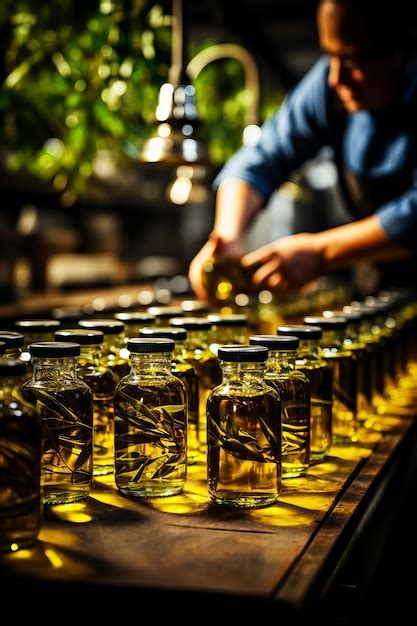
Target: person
{"points": [[360, 99]]}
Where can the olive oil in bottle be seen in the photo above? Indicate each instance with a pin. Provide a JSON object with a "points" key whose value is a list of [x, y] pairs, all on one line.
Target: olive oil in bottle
{"points": [[150, 423], [319, 374], [243, 432], [20, 461]]}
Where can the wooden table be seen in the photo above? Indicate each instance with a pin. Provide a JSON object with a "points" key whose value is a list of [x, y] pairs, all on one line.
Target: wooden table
{"points": [[286, 556]]}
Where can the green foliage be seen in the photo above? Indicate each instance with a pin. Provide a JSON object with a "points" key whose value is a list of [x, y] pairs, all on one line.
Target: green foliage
{"points": [[77, 78]]}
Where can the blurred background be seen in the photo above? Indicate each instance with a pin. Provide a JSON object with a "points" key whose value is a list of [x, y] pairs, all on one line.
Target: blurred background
{"points": [[86, 200]]}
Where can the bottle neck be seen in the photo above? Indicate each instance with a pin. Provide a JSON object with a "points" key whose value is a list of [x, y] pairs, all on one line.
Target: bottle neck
{"points": [[90, 353], [197, 339], [151, 364], [308, 348], [242, 372], [47, 368], [332, 338], [281, 361]]}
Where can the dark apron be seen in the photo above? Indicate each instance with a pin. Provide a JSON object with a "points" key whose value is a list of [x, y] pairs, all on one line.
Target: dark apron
{"points": [[364, 195]]}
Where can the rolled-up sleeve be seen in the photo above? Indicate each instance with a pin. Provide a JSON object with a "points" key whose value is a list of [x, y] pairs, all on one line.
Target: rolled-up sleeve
{"points": [[399, 218], [290, 137]]}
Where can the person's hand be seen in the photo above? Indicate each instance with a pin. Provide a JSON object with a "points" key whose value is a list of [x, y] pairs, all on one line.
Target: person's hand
{"points": [[214, 247], [287, 263]]}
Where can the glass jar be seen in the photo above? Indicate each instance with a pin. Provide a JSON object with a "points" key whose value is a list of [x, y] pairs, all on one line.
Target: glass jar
{"points": [[197, 352], [344, 366], [134, 321], [227, 329], [102, 383], [150, 407], [113, 354], [319, 374], [185, 372], [20, 461], [65, 404], [34, 331], [293, 389], [243, 432], [13, 344], [362, 353]]}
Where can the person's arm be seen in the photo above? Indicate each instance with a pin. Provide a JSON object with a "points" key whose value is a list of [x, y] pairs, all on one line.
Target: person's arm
{"points": [[291, 262], [293, 135]]}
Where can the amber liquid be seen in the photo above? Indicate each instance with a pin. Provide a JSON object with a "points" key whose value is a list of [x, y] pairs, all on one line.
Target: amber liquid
{"points": [[320, 379], [151, 438], [295, 402], [244, 449], [185, 372], [67, 434], [344, 418], [20, 492], [102, 384], [209, 376]]}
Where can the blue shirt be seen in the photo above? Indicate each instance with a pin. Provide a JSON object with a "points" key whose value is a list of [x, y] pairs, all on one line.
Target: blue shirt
{"points": [[372, 145]]}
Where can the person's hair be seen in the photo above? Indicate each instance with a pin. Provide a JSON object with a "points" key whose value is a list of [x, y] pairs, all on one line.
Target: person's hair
{"points": [[390, 24]]}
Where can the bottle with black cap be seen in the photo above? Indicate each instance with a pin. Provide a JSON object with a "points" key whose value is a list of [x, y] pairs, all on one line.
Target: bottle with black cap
{"points": [[293, 389], [13, 344], [113, 354], [185, 372], [345, 379], [65, 404], [20, 454], [150, 407], [35, 330], [362, 353], [319, 374], [243, 431], [227, 329], [102, 383], [134, 321], [197, 352]]}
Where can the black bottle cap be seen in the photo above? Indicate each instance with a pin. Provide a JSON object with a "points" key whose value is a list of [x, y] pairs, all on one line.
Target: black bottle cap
{"points": [[12, 367], [108, 327], [243, 354], [302, 332], [54, 349], [228, 320], [275, 342], [177, 334], [150, 345], [38, 326], [11, 339], [83, 336], [134, 317], [191, 323], [327, 323]]}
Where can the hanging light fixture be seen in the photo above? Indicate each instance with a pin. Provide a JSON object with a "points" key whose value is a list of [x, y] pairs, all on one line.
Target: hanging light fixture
{"points": [[175, 141]]}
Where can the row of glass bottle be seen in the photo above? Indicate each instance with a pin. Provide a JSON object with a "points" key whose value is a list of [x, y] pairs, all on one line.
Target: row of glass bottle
{"points": [[343, 422]]}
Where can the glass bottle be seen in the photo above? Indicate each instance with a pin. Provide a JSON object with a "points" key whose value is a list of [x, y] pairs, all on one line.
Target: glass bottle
{"points": [[293, 389], [134, 321], [243, 432], [371, 341], [34, 331], [13, 344], [114, 354], [162, 314], [319, 374], [102, 383], [227, 329], [150, 407], [197, 352], [20, 461], [344, 366], [65, 405], [185, 372], [363, 356]]}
